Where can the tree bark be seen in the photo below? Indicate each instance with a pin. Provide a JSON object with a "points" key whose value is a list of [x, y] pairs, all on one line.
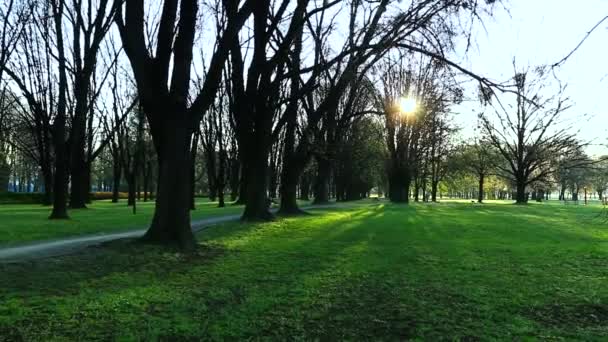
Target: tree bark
{"points": [[47, 175], [520, 195], [117, 173], [481, 191], [321, 188], [171, 222], [257, 206]]}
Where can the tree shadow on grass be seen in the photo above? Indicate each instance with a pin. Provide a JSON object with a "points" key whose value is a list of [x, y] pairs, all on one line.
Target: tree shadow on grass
{"points": [[336, 276]]}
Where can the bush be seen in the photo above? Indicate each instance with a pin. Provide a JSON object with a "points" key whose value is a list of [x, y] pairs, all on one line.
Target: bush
{"points": [[37, 197], [21, 197], [100, 196]]}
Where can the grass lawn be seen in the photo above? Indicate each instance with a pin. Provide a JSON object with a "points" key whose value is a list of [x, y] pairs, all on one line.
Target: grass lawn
{"points": [[24, 222], [454, 271]]}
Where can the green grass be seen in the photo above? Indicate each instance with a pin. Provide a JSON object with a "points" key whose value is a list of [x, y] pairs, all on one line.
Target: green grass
{"points": [[453, 271], [21, 223]]}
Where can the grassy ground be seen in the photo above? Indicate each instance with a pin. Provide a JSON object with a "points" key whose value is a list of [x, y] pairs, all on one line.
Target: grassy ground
{"points": [[453, 271], [23, 223]]}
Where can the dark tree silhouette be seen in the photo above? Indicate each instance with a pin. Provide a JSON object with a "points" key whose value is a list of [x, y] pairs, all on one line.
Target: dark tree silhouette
{"points": [[163, 79]]}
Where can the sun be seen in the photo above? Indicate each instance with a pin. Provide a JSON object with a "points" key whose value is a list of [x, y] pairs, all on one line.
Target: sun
{"points": [[407, 105]]}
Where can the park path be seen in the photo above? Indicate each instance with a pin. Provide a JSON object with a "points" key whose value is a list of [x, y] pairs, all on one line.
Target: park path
{"points": [[45, 249]]}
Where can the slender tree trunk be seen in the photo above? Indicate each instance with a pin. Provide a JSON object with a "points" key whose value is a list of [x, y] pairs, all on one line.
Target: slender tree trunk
{"points": [[61, 158], [481, 191], [131, 184], [211, 175], [234, 180], [117, 173], [193, 152], [61, 175], [47, 175]]}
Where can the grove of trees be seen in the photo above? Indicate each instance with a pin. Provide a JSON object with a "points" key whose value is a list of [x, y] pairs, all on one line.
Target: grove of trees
{"points": [[248, 101]]}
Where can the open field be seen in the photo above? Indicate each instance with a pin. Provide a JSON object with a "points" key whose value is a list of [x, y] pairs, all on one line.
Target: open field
{"points": [[377, 271]]}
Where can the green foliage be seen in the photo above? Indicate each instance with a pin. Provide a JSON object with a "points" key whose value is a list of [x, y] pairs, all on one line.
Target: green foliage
{"points": [[361, 158], [377, 272]]}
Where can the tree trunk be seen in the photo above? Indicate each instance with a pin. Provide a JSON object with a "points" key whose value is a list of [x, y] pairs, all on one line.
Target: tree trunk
{"points": [[521, 196], [78, 191], [305, 188], [211, 175], [321, 188], [47, 175], [171, 222], [289, 190], [61, 175], [234, 180], [257, 206], [399, 185], [291, 171], [131, 183], [117, 173], [562, 193], [192, 167], [147, 176], [481, 191], [242, 189]]}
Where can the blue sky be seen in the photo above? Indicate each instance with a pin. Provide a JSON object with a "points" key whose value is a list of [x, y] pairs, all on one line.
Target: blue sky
{"points": [[537, 32]]}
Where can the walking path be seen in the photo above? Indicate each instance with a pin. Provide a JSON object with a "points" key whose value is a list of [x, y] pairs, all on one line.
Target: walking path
{"points": [[47, 249]]}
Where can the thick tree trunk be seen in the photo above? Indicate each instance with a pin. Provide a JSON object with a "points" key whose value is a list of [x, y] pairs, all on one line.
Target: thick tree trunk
{"points": [[305, 188], [257, 203], [291, 172], [242, 189], [434, 188], [321, 188], [289, 190], [171, 222], [399, 186], [520, 196], [78, 197]]}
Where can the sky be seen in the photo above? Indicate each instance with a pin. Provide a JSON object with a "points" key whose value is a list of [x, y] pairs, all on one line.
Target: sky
{"points": [[537, 32]]}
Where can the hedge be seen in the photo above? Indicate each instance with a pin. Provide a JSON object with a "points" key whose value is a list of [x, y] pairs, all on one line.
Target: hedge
{"points": [[37, 197]]}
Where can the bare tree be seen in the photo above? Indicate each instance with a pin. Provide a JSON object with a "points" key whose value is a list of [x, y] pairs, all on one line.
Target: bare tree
{"points": [[532, 132]]}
